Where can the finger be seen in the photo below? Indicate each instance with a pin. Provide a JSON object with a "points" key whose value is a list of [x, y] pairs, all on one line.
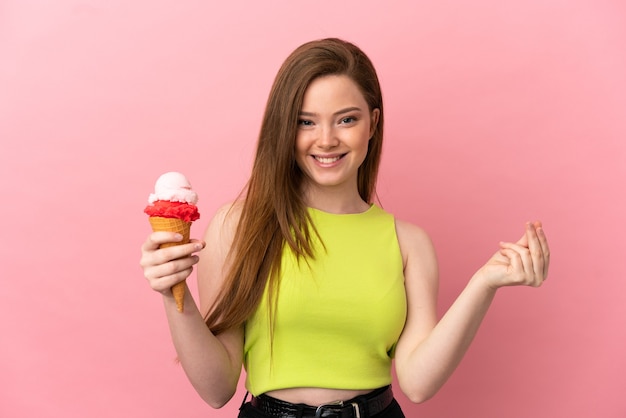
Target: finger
{"points": [[543, 241], [524, 267], [154, 257], [523, 241], [175, 252], [164, 284], [159, 238], [201, 243], [171, 270], [536, 252], [175, 266], [516, 268]]}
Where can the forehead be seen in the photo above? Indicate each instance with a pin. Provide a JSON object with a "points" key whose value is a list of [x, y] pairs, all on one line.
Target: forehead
{"points": [[333, 90]]}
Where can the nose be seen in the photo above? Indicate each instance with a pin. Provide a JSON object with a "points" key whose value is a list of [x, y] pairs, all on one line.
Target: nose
{"points": [[327, 138]]}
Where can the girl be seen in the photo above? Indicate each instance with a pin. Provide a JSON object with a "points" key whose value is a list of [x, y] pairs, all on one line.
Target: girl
{"points": [[306, 282]]}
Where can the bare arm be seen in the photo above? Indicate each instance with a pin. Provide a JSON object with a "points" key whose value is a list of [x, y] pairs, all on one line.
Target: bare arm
{"points": [[429, 351], [212, 363]]}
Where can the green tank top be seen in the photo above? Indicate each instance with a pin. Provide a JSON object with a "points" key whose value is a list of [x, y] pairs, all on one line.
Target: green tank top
{"points": [[338, 316]]}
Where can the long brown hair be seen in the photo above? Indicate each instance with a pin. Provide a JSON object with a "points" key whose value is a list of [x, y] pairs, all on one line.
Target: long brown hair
{"points": [[273, 211]]}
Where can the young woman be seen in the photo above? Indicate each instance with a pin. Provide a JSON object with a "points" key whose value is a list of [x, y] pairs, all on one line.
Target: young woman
{"points": [[308, 283]]}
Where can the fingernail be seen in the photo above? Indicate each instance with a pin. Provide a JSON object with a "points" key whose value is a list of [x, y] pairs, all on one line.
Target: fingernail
{"points": [[178, 237]]}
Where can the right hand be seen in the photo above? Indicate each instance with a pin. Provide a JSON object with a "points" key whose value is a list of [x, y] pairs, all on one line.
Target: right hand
{"points": [[164, 267]]}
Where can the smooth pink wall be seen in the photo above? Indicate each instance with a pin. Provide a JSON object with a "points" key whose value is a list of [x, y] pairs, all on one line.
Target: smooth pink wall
{"points": [[497, 112]]}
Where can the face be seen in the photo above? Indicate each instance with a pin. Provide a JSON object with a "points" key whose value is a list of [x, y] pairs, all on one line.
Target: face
{"points": [[334, 129]]}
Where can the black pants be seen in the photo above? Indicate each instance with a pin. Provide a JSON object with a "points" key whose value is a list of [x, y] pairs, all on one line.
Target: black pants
{"points": [[392, 411]]}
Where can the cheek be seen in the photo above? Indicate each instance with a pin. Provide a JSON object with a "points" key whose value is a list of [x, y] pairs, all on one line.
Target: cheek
{"points": [[299, 147], [300, 150], [365, 140]]}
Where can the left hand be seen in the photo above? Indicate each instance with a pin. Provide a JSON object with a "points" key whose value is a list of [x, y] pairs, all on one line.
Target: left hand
{"points": [[524, 263]]}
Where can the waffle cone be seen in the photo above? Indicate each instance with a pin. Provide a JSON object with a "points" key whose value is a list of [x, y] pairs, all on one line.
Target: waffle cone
{"points": [[173, 225]]}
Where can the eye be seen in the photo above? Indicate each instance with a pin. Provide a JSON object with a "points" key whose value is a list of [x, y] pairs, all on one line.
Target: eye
{"points": [[304, 122], [348, 119]]}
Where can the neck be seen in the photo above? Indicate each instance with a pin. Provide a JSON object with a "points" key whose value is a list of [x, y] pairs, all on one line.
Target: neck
{"points": [[333, 200]]}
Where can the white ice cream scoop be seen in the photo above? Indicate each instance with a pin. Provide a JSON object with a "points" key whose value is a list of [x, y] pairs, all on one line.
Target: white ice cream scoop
{"points": [[174, 187]]}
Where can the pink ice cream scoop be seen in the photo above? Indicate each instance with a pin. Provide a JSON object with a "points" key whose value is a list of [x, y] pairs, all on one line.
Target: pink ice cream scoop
{"points": [[174, 187]]}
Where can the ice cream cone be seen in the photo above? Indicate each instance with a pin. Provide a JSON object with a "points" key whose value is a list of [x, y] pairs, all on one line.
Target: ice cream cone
{"points": [[173, 225]]}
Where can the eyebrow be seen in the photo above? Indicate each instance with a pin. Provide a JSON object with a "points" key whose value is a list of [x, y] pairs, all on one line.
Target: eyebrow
{"points": [[339, 112]]}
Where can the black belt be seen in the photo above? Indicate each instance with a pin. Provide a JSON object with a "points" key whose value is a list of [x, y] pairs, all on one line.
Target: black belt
{"points": [[362, 406]]}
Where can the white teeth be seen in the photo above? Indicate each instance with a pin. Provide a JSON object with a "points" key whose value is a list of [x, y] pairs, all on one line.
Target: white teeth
{"points": [[327, 160]]}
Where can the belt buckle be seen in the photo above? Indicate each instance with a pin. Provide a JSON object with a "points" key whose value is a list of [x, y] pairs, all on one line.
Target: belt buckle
{"points": [[320, 409]]}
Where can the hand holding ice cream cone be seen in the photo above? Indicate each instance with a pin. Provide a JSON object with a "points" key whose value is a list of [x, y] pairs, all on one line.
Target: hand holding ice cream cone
{"points": [[173, 208]]}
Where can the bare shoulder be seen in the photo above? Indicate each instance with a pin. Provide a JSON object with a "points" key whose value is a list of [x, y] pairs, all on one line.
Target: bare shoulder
{"points": [[225, 221], [415, 243], [213, 264]]}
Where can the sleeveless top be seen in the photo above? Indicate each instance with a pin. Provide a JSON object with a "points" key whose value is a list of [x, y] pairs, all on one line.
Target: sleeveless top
{"points": [[338, 316]]}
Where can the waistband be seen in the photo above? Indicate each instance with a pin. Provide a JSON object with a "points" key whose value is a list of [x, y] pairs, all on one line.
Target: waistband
{"points": [[361, 406]]}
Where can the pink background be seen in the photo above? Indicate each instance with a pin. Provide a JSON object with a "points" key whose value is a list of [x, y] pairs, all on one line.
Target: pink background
{"points": [[497, 112]]}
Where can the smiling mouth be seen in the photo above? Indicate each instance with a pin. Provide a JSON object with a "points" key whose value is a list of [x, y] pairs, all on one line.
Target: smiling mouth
{"points": [[328, 160]]}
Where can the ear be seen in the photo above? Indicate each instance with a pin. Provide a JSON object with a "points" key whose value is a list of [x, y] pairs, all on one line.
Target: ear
{"points": [[374, 121]]}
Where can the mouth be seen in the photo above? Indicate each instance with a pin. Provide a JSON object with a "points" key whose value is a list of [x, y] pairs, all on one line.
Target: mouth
{"points": [[328, 160]]}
